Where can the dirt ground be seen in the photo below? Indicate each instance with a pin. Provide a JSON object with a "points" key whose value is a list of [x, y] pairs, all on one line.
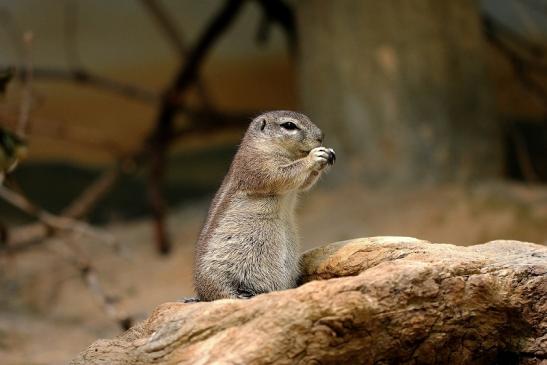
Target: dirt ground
{"points": [[47, 315]]}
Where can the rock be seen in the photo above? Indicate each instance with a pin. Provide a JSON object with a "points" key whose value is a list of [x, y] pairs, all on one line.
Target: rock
{"points": [[383, 300]]}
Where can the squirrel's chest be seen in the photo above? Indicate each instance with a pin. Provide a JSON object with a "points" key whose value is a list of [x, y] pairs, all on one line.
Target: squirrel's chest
{"points": [[253, 208], [266, 222], [256, 239]]}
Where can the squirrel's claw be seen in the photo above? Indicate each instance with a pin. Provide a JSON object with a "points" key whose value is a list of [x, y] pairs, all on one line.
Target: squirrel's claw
{"points": [[332, 157]]}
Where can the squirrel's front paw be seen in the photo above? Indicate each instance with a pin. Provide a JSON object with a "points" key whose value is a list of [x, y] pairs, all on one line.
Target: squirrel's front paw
{"points": [[321, 156]]}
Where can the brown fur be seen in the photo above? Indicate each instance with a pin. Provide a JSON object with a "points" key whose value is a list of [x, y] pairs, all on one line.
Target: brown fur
{"points": [[249, 243]]}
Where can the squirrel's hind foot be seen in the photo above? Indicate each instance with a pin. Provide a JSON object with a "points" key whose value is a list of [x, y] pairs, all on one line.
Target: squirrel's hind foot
{"points": [[189, 300]]}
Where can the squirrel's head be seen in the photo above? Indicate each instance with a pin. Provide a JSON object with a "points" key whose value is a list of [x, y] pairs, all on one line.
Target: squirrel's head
{"points": [[285, 132]]}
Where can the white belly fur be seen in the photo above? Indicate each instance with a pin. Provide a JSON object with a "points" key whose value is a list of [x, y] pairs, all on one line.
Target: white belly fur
{"points": [[256, 241]]}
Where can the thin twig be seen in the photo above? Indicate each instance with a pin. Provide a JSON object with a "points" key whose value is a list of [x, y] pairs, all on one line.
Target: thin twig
{"points": [[80, 206], [87, 78], [22, 238], [90, 278], [167, 25], [175, 37], [189, 70], [52, 221], [77, 135], [162, 135], [199, 121]]}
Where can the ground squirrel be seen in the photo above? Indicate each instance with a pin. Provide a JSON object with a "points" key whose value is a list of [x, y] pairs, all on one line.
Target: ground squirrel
{"points": [[249, 242]]}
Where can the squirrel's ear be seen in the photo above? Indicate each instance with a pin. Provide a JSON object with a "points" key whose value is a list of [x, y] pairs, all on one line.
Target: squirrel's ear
{"points": [[261, 124]]}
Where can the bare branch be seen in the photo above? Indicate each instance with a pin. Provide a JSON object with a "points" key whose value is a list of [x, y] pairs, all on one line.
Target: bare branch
{"points": [[167, 25], [21, 238], [163, 133], [174, 36], [91, 280], [62, 130], [87, 78], [189, 70], [51, 221], [89, 276], [92, 194]]}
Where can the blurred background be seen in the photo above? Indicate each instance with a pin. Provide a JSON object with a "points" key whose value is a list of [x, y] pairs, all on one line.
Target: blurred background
{"points": [[128, 114]]}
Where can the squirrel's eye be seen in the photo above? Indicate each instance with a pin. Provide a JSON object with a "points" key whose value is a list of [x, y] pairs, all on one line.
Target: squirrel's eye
{"points": [[289, 126]]}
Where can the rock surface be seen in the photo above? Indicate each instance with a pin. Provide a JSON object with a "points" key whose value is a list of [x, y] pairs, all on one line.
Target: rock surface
{"points": [[383, 300]]}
